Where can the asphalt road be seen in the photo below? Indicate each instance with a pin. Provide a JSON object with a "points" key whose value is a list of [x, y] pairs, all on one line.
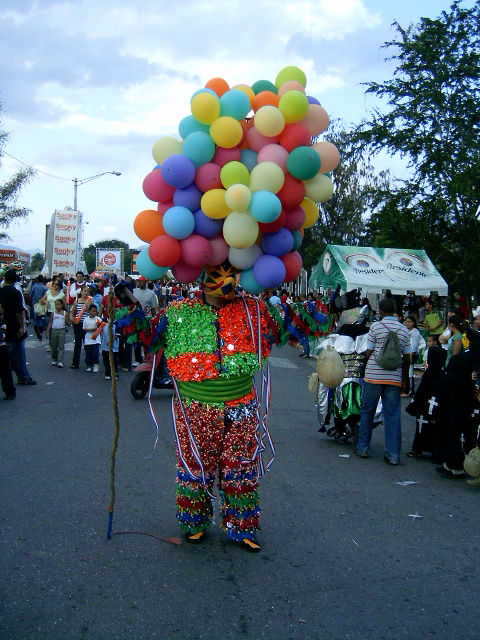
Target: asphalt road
{"points": [[342, 554]]}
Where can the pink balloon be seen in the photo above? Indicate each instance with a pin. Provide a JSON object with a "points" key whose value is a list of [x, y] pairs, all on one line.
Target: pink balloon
{"points": [[155, 187], [186, 273], [329, 155], [274, 153], [290, 85], [196, 251], [295, 219], [316, 119], [219, 250], [208, 177], [163, 206], [256, 141], [222, 156]]}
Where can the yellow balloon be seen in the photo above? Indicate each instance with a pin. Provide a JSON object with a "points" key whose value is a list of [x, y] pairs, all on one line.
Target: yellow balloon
{"points": [[213, 204], [226, 132], [319, 188], [240, 230], [311, 212], [238, 197], [269, 121], [164, 147], [205, 107], [267, 176], [290, 73]]}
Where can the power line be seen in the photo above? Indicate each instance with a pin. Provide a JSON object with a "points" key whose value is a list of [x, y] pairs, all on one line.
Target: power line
{"points": [[35, 169]]}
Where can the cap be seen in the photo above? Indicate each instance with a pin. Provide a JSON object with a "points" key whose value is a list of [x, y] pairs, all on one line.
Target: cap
{"points": [[142, 278]]}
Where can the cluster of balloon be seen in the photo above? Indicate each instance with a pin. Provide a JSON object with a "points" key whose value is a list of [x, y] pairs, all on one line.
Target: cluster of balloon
{"points": [[242, 183]]}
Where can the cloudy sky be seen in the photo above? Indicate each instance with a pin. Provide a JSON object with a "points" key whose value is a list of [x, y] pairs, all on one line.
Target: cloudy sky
{"points": [[88, 86]]}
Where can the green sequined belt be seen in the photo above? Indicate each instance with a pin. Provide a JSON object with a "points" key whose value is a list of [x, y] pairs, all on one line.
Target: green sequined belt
{"points": [[216, 389]]}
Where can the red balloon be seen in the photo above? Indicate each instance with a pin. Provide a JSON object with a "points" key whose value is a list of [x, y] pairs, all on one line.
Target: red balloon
{"points": [[219, 250], [196, 251], [293, 265], [295, 219], [163, 206], [292, 193], [164, 251], [208, 177], [155, 187], [295, 135], [276, 225], [186, 273], [222, 156]]}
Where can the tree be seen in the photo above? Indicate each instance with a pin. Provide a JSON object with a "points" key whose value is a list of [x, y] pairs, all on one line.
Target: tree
{"points": [[90, 253], [9, 192], [432, 119], [36, 263]]}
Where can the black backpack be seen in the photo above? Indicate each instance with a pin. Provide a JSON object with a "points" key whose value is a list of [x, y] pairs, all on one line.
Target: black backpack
{"points": [[390, 357]]}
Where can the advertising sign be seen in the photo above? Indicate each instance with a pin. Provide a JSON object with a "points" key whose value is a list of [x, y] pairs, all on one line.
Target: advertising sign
{"points": [[110, 260], [65, 250]]}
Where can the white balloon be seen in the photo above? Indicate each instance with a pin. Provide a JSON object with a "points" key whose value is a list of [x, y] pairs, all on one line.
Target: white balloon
{"points": [[244, 258]]}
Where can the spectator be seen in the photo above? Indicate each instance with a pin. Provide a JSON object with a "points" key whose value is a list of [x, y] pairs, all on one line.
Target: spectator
{"points": [[146, 297], [455, 345], [37, 291], [105, 351], [415, 339], [77, 285], [433, 322], [92, 326], [6, 378], [56, 333], [78, 313]]}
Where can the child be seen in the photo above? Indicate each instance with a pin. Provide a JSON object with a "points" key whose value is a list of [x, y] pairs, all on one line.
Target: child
{"points": [[56, 332], [92, 325], [432, 341], [105, 353], [5, 371]]}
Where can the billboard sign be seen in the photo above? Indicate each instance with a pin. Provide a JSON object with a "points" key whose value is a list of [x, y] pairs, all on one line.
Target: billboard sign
{"points": [[65, 252]]}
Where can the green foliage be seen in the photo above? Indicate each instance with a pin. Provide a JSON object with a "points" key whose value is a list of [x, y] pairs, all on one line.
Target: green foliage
{"points": [[36, 263]]}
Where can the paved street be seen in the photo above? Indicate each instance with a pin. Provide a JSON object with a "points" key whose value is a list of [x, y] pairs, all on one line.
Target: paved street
{"points": [[346, 551]]}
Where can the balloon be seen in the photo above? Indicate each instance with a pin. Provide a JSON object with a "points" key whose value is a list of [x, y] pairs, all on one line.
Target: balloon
{"points": [[290, 85], [256, 140], [269, 271], [234, 173], [292, 192], [186, 273], [294, 135], [263, 85], [205, 226], [178, 170], [196, 251], [164, 251], [208, 177], [219, 85], [274, 153], [265, 206], [178, 222], [164, 147], [205, 107], [244, 258], [248, 91], [266, 176], [295, 219], [148, 225], [269, 121], [199, 147], [312, 100], [263, 99], [316, 119], [311, 212], [278, 243], [163, 206], [293, 265], [214, 205], [319, 188], [329, 155], [189, 125], [226, 131], [238, 197], [249, 158], [147, 268], [155, 187], [240, 230], [189, 197], [234, 103], [290, 73], [222, 156], [297, 240], [248, 282], [219, 250], [273, 226], [294, 105], [303, 163]]}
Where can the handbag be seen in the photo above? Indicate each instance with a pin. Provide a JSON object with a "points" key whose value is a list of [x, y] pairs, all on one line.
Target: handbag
{"points": [[40, 309]]}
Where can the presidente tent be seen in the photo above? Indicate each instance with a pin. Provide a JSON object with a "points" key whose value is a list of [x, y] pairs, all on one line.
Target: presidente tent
{"points": [[373, 270]]}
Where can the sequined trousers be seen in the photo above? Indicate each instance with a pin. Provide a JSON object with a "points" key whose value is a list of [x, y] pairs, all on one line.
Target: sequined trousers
{"points": [[226, 440]]}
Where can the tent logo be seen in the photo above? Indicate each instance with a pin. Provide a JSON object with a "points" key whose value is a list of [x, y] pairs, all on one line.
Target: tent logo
{"points": [[406, 262], [363, 264], [327, 263]]}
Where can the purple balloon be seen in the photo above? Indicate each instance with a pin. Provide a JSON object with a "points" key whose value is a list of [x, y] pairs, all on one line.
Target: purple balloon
{"points": [[205, 226], [178, 170], [269, 271], [188, 197], [278, 243], [312, 100]]}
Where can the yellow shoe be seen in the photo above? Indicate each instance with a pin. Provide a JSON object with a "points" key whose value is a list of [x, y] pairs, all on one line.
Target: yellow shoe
{"points": [[250, 545], [195, 538]]}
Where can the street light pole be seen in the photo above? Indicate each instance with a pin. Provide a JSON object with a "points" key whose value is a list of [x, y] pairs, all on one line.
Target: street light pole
{"points": [[77, 183]]}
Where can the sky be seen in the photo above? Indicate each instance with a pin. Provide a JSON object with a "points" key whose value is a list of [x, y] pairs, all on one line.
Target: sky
{"points": [[88, 86]]}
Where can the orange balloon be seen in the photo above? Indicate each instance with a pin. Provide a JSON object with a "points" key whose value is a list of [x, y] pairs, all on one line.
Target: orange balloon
{"points": [[148, 225], [264, 98], [329, 155], [219, 85], [290, 85], [316, 119]]}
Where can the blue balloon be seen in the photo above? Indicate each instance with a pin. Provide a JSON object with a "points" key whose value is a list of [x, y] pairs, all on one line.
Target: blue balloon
{"points": [[234, 103], [178, 170], [205, 226], [269, 271], [312, 100], [249, 158], [189, 197], [204, 90], [147, 268], [297, 240], [265, 206], [248, 282], [278, 243], [199, 147], [189, 124], [178, 222]]}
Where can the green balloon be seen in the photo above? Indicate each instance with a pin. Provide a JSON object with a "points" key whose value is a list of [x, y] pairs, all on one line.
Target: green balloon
{"points": [[263, 85], [303, 163]]}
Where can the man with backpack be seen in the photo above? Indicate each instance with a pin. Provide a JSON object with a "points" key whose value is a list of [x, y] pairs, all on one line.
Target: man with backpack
{"points": [[386, 375]]}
